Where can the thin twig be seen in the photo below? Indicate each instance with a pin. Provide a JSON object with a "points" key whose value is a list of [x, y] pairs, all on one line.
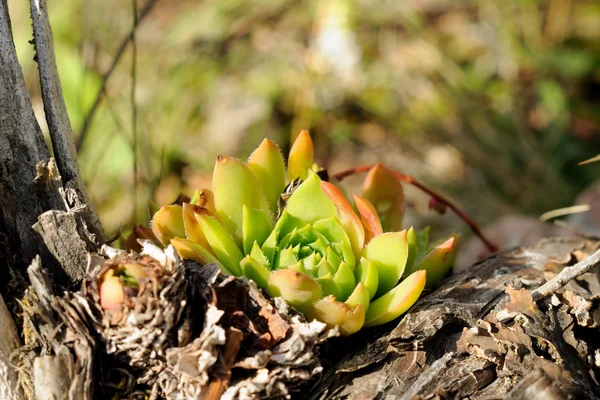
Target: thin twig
{"points": [[565, 276], [413, 181], [134, 109], [90, 115]]}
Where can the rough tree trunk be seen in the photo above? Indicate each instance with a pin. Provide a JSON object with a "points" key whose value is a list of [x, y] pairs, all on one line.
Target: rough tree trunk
{"points": [[478, 336]]}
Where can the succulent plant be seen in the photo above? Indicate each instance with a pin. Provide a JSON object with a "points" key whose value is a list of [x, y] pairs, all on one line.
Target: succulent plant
{"points": [[304, 241]]}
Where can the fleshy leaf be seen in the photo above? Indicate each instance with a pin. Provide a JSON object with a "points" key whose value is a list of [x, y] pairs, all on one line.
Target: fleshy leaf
{"points": [[222, 244], [348, 319], [438, 262], [234, 186], [344, 278], [389, 252], [267, 164], [360, 295], [397, 301], [350, 221], [329, 287], [285, 258], [298, 289], [367, 274], [308, 203], [193, 231], [369, 218], [258, 255], [189, 250], [167, 224], [256, 227], [382, 188], [300, 160], [258, 272]]}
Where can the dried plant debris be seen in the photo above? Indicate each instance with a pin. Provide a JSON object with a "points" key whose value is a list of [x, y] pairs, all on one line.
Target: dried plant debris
{"points": [[249, 347], [56, 361], [136, 302], [151, 326]]}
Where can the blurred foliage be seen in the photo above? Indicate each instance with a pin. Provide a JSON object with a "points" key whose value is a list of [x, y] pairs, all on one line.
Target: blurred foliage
{"points": [[492, 101]]}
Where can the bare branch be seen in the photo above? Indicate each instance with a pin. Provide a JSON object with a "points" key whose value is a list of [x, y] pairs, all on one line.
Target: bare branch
{"points": [[56, 110], [565, 276], [22, 147], [90, 115]]}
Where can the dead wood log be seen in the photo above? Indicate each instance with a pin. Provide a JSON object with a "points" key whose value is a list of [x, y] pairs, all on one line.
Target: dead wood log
{"points": [[481, 336]]}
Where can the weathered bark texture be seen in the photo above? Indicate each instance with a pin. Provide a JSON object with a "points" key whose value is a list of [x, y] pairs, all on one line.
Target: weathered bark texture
{"points": [[9, 342], [57, 117], [26, 191], [57, 359], [481, 336]]}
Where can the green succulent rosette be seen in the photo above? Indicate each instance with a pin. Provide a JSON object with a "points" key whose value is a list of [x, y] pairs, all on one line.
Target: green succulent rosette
{"points": [[304, 241]]}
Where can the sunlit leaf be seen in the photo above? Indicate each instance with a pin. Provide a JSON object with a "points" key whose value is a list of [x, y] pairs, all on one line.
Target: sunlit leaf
{"points": [[367, 274], [221, 243], [348, 319], [397, 301], [167, 223], [388, 252], [255, 270], [267, 164], [350, 221], [300, 160], [369, 218], [234, 185], [298, 289], [256, 227]]}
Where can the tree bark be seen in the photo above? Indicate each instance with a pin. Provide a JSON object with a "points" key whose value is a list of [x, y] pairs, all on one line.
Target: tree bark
{"points": [[30, 183], [481, 336]]}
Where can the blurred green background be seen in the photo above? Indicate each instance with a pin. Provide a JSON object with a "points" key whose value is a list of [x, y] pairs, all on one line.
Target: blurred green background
{"points": [[492, 102]]}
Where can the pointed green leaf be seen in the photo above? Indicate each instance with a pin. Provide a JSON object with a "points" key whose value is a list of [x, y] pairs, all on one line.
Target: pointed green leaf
{"points": [[300, 160], [258, 272], [167, 224], [267, 164], [308, 203], [234, 186], [438, 262], [367, 274], [333, 257], [256, 227], [285, 258], [258, 255], [397, 301], [360, 295], [344, 278], [329, 287], [334, 313], [389, 252], [222, 244], [298, 289]]}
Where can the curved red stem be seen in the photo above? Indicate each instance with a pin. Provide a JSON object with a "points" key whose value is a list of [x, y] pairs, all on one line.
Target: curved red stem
{"points": [[412, 181]]}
